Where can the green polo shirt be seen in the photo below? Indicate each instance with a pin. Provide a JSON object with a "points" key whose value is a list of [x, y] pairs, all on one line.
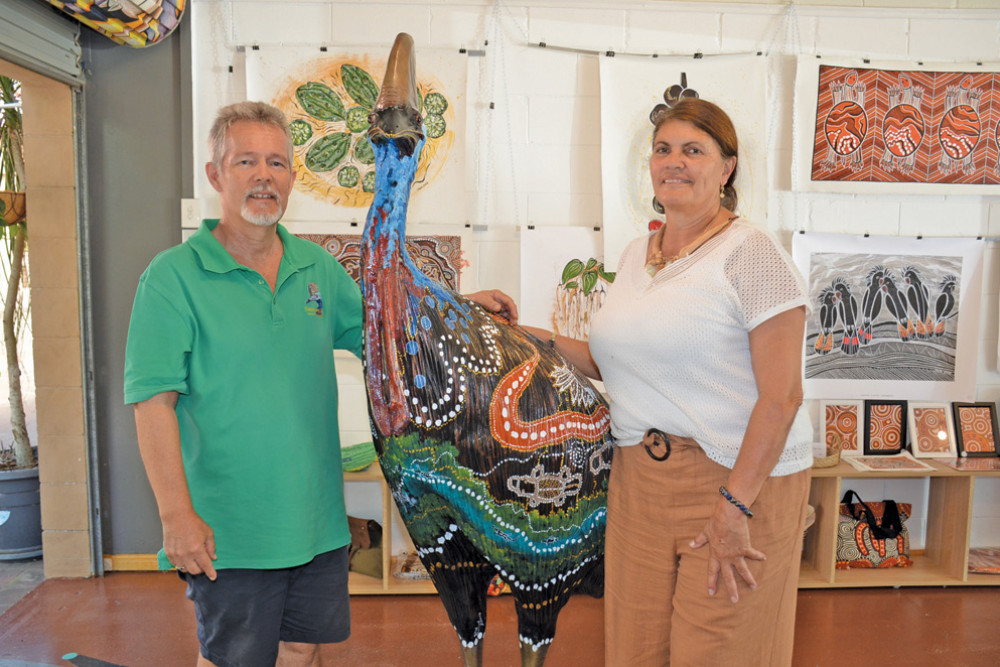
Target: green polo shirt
{"points": [[257, 404]]}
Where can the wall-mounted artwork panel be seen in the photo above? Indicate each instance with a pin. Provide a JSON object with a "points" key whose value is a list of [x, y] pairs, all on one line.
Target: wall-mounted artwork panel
{"points": [[327, 97], [632, 88], [892, 317], [897, 127]]}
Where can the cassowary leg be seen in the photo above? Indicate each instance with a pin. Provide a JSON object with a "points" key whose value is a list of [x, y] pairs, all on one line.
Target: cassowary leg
{"points": [[462, 578], [531, 657]]}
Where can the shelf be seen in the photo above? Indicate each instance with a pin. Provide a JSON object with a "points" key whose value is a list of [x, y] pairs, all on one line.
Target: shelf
{"points": [[361, 584], [944, 562]]}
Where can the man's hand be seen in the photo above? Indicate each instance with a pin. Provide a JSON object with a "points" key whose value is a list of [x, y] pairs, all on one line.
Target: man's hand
{"points": [[189, 543]]}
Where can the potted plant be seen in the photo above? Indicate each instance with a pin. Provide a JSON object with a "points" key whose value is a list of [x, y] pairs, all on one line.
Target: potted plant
{"points": [[20, 509]]}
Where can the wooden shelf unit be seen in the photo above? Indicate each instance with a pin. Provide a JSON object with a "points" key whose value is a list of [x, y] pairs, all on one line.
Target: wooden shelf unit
{"points": [[945, 560], [362, 584], [943, 563]]}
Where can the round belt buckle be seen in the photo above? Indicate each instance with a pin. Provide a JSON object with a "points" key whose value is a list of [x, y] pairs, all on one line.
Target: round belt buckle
{"points": [[657, 444]]}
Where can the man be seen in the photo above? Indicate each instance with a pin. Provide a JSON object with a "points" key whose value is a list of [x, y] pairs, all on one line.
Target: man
{"points": [[230, 368]]}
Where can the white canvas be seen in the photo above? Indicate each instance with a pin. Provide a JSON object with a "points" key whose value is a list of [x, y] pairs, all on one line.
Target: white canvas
{"points": [[275, 74], [930, 368], [631, 87]]}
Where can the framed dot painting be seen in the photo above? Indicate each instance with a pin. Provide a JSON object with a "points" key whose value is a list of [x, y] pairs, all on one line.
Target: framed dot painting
{"points": [[842, 426], [976, 429], [932, 430], [885, 427]]}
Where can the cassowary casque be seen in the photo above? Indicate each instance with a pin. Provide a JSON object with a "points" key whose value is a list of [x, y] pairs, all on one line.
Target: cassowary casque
{"points": [[496, 450]]}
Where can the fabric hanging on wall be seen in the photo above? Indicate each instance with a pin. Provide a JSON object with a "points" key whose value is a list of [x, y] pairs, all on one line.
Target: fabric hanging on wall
{"points": [[631, 86], [439, 257], [920, 128], [892, 317], [327, 97]]}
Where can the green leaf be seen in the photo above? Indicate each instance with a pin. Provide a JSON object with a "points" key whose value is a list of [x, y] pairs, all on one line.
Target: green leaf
{"points": [[589, 282], [572, 269]]}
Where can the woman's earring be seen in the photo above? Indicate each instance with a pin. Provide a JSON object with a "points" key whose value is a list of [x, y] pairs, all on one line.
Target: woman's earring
{"points": [[722, 192]]}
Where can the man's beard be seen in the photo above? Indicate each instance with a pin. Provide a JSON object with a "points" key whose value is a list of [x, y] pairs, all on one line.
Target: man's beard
{"points": [[263, 218]]}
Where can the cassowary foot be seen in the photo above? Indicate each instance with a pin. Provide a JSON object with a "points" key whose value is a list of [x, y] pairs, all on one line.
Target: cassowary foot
{"points": [[530, 657], [472, 656]]}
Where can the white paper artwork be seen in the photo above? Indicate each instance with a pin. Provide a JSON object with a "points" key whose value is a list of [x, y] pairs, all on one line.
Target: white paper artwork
{"points": [[327, 97], [892, 317], [630, 88], [563, 279]]}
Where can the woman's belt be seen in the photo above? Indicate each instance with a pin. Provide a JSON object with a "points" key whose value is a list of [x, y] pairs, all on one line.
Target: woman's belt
{"points": [[658, 443]]}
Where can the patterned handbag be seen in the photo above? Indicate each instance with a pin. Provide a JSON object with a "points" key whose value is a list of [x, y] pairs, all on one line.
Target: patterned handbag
{"points": [[872, 534]]}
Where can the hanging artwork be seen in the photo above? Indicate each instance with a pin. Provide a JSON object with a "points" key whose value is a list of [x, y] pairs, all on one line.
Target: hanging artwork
{"points": [[898, 128], [563, 279], [134, 23], [631, 88], [891, 317], [328, 95], [439, 257]]}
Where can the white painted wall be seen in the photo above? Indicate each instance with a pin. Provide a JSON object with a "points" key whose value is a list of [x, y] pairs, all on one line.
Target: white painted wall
{"points": [[545, 130]]}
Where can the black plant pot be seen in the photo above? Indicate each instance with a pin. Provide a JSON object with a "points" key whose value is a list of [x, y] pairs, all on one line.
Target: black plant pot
{"points": [[20, 514]]}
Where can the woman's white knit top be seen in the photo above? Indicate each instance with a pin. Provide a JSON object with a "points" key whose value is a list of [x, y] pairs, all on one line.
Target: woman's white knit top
{"points": [[674, 350]]}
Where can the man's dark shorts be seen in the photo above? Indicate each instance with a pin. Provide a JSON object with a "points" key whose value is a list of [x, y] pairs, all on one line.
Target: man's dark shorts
{"points": [[243, 614]]}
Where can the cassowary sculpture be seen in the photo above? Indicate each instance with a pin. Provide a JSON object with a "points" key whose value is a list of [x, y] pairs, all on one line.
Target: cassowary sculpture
{"points": [[496, 450]]}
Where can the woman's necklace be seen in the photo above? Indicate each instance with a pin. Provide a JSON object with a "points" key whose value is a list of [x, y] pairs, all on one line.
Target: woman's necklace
{"points": [[658, 261]]}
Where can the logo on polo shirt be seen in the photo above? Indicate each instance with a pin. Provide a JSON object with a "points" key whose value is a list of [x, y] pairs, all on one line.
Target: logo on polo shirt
{"points": [[314, 304]]}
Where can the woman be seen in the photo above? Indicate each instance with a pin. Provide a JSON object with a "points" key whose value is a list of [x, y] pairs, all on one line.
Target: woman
{"points": [[699, 344]]}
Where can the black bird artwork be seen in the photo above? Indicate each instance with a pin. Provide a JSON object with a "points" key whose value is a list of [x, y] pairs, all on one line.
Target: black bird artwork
{"points": [[918, 298], [895, 303], [944, 304], [871, 303], [847, 311], [497, 450], [827, 320]]}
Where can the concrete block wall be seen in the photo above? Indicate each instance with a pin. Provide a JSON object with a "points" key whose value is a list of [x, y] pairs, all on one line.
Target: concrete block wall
{"points": [[535, 159], [50, 184]]}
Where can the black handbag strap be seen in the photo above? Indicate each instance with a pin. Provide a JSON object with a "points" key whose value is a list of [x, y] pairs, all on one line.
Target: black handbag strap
{"points": [[892, 523]]}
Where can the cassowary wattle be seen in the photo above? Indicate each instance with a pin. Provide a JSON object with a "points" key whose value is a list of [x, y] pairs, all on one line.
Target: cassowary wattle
{"points": [[497, 451]]}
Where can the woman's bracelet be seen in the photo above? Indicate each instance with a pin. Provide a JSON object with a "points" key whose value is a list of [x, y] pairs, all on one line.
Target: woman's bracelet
{"points": [[728, 496]]}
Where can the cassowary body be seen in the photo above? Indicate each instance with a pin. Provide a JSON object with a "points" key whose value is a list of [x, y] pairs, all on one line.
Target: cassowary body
{"points": [[496, 450]]}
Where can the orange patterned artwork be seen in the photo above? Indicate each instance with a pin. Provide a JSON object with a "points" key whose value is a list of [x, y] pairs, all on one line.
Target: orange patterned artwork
{"points": [[841, 421], [931, 432], [885, 427], [976, 427], [896, 126]]}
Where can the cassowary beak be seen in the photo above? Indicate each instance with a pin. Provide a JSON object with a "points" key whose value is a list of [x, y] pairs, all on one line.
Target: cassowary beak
{"points": [[396, 116]]}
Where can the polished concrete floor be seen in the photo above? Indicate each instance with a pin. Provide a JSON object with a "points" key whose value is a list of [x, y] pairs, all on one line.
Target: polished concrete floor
{"points": [[17, 579], [139, 619]]}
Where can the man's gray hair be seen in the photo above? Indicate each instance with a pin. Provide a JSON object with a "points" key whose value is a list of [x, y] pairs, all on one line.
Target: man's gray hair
{"points": [[257, 112]]}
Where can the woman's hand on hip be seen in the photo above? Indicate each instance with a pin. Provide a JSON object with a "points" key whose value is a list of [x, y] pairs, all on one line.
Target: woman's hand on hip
{"points": [[727, 535]]}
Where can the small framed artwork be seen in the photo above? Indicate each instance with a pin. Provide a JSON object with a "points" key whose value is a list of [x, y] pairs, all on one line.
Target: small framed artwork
{"points": [[932, 430], [976, 429], [842, 426], [885, 427]]}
